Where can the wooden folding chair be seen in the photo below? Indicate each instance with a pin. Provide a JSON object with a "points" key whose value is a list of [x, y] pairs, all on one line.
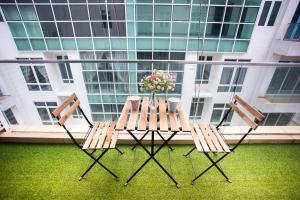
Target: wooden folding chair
{"points": [[100, 135], [209, 139]]}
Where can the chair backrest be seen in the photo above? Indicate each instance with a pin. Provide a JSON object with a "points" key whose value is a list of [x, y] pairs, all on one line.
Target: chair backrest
{"points": [[252, 116], [71, 101]]}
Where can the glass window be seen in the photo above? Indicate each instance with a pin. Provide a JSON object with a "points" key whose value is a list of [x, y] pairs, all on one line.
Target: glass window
{"points": [[144, 44], [228, 30], [68, 44], [17, 29], [218, 2], [215, 13], [53, 44], [33, 29], [11, 13], [245, 31], [180, 29], [99, 29], [129, 12], [161, 29], [264, 13], [79, 12], [144, 29], [116, 11], [196, 108], [97, 12], [27, 12], [9, 115], [219, 110], [232, 14], [82, 29], [274, 13], [241, 46], [199, 13], [162, 13], [65, 70], [249, 15], [23, 44], [178, 44], [235, 2], [44, 12], [197, 30], [36, 77], [161, 44], [253, 2], [292, 78], [181, 13], [118, 29], [45, 111], [84, 44], [177, 56], [213, 30], [210, 45], [101, 44], [49, 29], [61, 12], [65, 29], [118, 44], [225, 45], [144, 12], [38, 44], [226, 75]]}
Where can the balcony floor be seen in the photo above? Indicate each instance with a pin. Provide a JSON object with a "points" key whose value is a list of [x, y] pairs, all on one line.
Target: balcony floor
{"points": [[51, 171]]}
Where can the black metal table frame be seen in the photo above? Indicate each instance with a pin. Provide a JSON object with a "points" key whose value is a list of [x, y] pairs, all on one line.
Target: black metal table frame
{"points": [[152, 153]]}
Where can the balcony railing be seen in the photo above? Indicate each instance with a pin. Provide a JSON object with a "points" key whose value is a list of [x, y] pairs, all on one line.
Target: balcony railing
{"points": [[34, 87]]}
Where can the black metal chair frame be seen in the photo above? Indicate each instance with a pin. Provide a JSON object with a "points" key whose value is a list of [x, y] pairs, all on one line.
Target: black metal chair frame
{"points": [[215, 162], [90, 154]]}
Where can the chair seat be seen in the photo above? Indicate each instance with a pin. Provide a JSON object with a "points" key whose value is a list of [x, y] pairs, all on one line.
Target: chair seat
{"points": [[102, 136], [208, 139]]}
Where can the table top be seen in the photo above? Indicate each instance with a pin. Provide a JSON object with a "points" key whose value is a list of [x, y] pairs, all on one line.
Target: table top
{"points": [[159, 119]]}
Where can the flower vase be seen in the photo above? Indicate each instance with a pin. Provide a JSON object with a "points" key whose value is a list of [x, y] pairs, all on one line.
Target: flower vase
{"points": [[153, 104]]}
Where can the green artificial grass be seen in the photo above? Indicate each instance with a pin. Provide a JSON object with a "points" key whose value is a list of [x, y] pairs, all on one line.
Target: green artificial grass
{"points": [[47, 171]]}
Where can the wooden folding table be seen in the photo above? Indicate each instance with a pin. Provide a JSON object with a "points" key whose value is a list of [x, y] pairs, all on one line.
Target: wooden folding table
{"points": [[152, 121]]}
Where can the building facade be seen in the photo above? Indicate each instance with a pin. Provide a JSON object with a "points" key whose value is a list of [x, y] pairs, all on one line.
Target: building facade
{"points": [[213, 30]]}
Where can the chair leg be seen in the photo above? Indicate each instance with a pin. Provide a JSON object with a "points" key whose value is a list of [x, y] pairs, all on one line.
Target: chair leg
{"points": [[214, 164], [140, 140], [119, 150], [164, 140], [188, 153]]}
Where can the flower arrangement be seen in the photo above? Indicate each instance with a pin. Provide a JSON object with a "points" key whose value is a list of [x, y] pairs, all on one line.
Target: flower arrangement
{"points": [[158, 81]]}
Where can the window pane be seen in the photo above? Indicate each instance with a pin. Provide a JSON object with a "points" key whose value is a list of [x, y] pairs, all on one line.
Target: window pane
{"points": [[284, 119], [199, 13], [118, 29], [44, 12], [241, 46], [65, 29], [68, 44], [249, 14], [53, 44], [17, 29], [116, 11], [277, 80], [291, 79], [178, 44], [79, 12], [210, 45], [38, 44], [197, 30], [22, 44], [162, 13], [215, 13], [232, 14], [102, 44], [161, 44], [228, 30], [161, 29], [271, 119], [118, 44], [225, 45], [49, 29], [99, 29], [43, 114], [84, 44], [180, 29], [27, 12], [97, 12], [226, 75], [82, 29], [264, 13], [216, 115], [239, 75], [144, 29], [144, 12], [28, 74], [245, 31], [274, 13], [11, 13], [181, 13], [61, 12], [213, 30], [10, 116], [33, 29], [41, 74], [177, 56]]}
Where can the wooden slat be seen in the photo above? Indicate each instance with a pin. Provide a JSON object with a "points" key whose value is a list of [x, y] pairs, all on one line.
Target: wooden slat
{"points": [[207, 138], [163, 120], [132, 120], [173, 121], [252, 110], [114, 139], [142, 124], [153, 120], [109, 135], [221, 141], [96, 136], [64, 118], [196, 140], [124, 115], [214, 138], [251, 123], [185, 126], [103, 135], [64, 104], [90, 137], [201, 138]]}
